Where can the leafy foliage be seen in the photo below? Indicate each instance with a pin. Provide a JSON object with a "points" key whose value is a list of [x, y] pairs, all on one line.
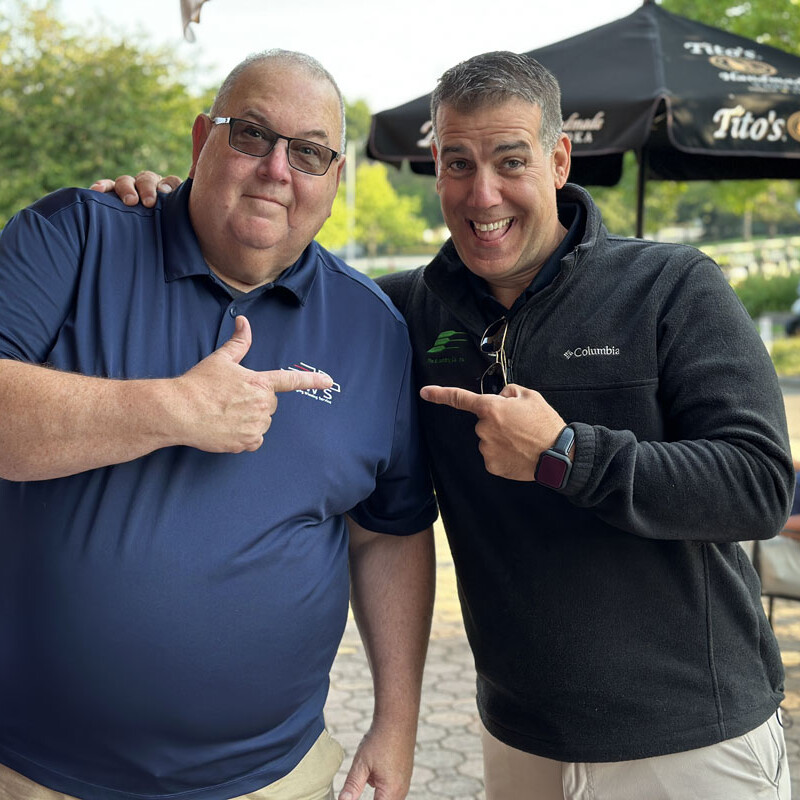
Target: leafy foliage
{"points": [[404, 182], [358, 118], [761, 294], [74, 108], [786, 356], [776, 22], [423, 187], [384, 221]]}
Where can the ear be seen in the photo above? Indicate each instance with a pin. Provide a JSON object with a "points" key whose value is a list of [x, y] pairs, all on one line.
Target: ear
{"points": [[200, 133], [338, 173], [562, 158], [435, 154], [340, 169]]}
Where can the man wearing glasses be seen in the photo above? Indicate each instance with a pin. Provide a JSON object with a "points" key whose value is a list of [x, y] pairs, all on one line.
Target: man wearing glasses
{"points": [[177, 553], [604, 425]]}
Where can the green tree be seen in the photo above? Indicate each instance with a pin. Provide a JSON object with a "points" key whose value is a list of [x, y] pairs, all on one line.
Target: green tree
{"points": [[618, 203], [772, 22], [423, 187], [404, 181], [384, 220], [760, 294], [359, 118], [73, 108]]}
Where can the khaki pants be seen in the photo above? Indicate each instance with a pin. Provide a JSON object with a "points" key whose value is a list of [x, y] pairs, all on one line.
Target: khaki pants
{"points": [[311, 779], [750, 767]]}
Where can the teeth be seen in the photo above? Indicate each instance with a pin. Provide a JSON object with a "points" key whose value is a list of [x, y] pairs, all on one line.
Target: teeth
{"points": [[492, 226]]}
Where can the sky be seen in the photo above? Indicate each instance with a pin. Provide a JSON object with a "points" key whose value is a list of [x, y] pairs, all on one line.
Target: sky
{"points": [[384, 53]]}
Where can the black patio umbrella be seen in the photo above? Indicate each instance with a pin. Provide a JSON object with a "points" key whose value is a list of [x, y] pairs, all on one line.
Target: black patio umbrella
{"points": [[693, 101]]}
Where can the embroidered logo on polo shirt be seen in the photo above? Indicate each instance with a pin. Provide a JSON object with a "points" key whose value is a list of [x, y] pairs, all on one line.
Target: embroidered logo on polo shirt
{"points": [[323, 395], [585, 352], [447, 341]]}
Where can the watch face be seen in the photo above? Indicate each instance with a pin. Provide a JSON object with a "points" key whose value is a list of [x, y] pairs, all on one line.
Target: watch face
{"points": [[551, 471]]}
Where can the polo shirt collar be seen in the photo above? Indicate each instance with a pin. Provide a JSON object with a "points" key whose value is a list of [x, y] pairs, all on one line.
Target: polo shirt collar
{"points": [[183, 257]]}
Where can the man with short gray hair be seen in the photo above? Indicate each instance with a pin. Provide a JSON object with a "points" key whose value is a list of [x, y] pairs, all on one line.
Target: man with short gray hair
{"points": [[177, 549]]}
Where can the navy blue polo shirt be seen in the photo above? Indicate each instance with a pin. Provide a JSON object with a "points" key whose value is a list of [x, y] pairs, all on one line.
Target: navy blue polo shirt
{"points": [[167, 625]]}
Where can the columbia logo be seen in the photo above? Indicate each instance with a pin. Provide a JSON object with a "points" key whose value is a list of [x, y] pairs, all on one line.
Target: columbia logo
{"points": [[448, 340], [323, 395], [584, 352]]}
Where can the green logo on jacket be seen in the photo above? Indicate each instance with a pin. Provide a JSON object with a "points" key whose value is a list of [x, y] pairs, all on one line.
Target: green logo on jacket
{"points": [[442, 350], [448, 340]]}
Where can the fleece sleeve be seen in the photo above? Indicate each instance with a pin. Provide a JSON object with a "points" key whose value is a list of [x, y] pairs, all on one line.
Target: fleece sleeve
{"points": [[723, 471]]}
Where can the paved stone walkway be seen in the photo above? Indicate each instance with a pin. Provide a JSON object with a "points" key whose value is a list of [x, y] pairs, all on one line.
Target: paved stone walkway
{"points": [[448, 759]]}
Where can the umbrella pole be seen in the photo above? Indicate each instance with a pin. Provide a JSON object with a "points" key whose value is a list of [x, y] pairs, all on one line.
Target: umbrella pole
{"points": [[641, 177]]}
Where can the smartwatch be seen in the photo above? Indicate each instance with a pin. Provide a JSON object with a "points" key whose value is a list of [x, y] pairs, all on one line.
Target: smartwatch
{"points": [[554, 465]]}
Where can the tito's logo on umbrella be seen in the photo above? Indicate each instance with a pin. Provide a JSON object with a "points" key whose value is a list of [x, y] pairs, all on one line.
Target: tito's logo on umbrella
{"points": [[746, 65], [731, 59], [740, 124]]}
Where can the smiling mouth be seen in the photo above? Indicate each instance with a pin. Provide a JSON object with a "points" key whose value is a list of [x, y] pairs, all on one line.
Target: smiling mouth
{"points": [[491, 231]]}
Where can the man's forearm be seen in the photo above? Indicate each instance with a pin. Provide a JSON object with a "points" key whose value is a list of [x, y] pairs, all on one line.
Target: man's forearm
{"points": [[54, 423], [393, 583]]}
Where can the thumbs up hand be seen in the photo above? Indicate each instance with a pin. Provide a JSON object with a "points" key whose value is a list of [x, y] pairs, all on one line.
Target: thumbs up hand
{"points": [[224, 407]]}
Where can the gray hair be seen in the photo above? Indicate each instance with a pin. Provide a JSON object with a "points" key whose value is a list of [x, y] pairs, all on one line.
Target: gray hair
{"points": [[493, 78], [310, 65]]}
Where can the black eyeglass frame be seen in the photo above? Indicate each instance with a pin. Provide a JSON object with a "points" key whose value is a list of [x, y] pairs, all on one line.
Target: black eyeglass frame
{"points": [[495, 377], [289, 139]]}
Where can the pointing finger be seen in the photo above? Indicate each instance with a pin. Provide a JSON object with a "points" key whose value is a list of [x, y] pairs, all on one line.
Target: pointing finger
{"points": [[460, 399], [289, 380]]}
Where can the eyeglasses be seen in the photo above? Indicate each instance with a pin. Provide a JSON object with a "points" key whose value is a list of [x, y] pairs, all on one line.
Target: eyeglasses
{"points": [[493, 344], [256, 140]]}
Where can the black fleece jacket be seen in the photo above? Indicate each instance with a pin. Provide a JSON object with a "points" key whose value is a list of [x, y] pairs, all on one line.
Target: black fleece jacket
{"points": [[617, 618]]}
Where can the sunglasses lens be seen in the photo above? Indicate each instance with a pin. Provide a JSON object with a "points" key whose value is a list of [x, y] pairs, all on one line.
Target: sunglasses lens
{"points": [[492, 339], [493, 380]]}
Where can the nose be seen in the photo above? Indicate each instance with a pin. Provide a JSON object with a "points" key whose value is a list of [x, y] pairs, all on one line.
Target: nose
{"points": [[485, 189], [275, 164]]}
